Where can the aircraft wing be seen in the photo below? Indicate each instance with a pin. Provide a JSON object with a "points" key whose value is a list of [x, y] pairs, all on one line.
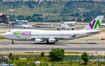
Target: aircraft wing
{"points": [[77, 26]]}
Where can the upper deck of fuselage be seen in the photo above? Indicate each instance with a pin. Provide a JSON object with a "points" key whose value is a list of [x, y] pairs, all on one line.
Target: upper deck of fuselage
{"points": [[34, 30]]}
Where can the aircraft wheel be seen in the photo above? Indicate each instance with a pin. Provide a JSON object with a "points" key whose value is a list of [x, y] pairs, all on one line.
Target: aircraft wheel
{"points": [[53, 43], [58, 29], [68, 28], [12, 42], [47, 42], [56, 40]]}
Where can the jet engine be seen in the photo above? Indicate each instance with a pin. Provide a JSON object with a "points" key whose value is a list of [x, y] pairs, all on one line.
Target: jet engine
{"points": [[38, 40], [51, 40]]}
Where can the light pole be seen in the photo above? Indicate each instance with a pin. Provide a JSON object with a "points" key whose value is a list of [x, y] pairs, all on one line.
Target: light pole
{"points": [[44, 17], [60, 10], [82, 14], [97, 57], [82, 17]]}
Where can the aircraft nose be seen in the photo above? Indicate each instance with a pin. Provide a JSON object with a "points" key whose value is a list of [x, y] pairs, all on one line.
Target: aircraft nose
{"points": [[3, 35]]}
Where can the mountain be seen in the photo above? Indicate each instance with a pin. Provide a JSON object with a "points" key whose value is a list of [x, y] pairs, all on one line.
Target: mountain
{"points": [[53, 11]]}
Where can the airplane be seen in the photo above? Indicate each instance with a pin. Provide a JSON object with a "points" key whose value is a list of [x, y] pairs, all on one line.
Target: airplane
{"points": [[63, 26], [23, 21], [25, 26], [103, 24], [71, 23], [53, 36]]}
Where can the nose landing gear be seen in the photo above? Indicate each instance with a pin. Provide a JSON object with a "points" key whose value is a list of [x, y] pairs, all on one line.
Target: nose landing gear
{"points": [[12, 42]]}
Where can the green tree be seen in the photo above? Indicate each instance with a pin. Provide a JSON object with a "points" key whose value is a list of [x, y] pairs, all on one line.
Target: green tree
{"points": [[42, 54], [79, 20], [47, 65], [10, 54], [41, 64], [56, 54], [85, 57]]}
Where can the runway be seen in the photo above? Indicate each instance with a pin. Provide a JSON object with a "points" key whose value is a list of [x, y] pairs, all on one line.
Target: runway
{"points": [[5, 45]]}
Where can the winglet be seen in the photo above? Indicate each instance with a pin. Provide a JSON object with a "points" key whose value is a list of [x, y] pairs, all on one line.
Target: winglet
{"points": [[95, 24]]}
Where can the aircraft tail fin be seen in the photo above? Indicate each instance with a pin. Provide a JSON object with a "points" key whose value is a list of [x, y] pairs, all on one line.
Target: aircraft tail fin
{"points": [[95, 24], [20, 22], [76, 20]]}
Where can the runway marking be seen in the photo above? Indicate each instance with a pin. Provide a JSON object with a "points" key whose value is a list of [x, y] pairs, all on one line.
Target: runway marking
{"points": [[0, 45], [79, 42]]}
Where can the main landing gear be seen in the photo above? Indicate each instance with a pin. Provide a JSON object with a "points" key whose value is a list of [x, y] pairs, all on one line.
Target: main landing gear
{"points": [[12, 42], [50, 42], [47, 42]]}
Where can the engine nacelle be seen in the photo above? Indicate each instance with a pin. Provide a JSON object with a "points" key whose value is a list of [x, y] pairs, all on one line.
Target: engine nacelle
{"points": [[51, 40], [37, 40]]}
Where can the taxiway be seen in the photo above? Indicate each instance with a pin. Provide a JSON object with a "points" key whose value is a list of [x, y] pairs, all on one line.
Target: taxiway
{"points": [[5, 45]]}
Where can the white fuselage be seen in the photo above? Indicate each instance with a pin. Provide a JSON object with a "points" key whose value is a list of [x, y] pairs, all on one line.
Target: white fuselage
{"points": [[70, 22], [64, 26], [52, 36], [26, 26], [24, 34]]}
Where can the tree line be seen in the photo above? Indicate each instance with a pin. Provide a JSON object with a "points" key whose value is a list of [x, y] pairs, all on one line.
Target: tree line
{"points": [[87, 17]]}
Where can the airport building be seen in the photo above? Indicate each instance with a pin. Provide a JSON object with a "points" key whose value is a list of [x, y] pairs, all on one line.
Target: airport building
{"points": [[3, 18], [50, 0], [12, 0]]}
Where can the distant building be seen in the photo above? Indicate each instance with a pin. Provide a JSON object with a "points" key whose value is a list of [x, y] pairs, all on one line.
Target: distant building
{"points": [[26, 0], [3, 18], [12, 0], [6, 65], [50, 0]]}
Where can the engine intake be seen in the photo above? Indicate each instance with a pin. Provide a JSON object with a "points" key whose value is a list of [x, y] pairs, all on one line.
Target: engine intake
{"points": [[51, 40], [38, 40]]}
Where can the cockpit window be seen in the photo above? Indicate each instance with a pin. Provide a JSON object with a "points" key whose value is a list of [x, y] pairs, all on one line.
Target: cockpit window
{"points": [[9, 31]]}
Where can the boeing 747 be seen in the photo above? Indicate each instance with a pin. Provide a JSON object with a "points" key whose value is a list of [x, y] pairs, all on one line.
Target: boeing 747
{"points": [[53, 36], [71, 23]]}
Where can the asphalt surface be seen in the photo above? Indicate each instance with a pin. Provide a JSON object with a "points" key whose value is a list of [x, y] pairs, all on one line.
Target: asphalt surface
{"points": [[5, 45], [42, 28]]}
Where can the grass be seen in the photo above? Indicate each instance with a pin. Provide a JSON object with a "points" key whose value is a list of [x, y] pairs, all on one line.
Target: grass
{"points": [[26, 11], [103, 30], [47, 62], [1, 37]]}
